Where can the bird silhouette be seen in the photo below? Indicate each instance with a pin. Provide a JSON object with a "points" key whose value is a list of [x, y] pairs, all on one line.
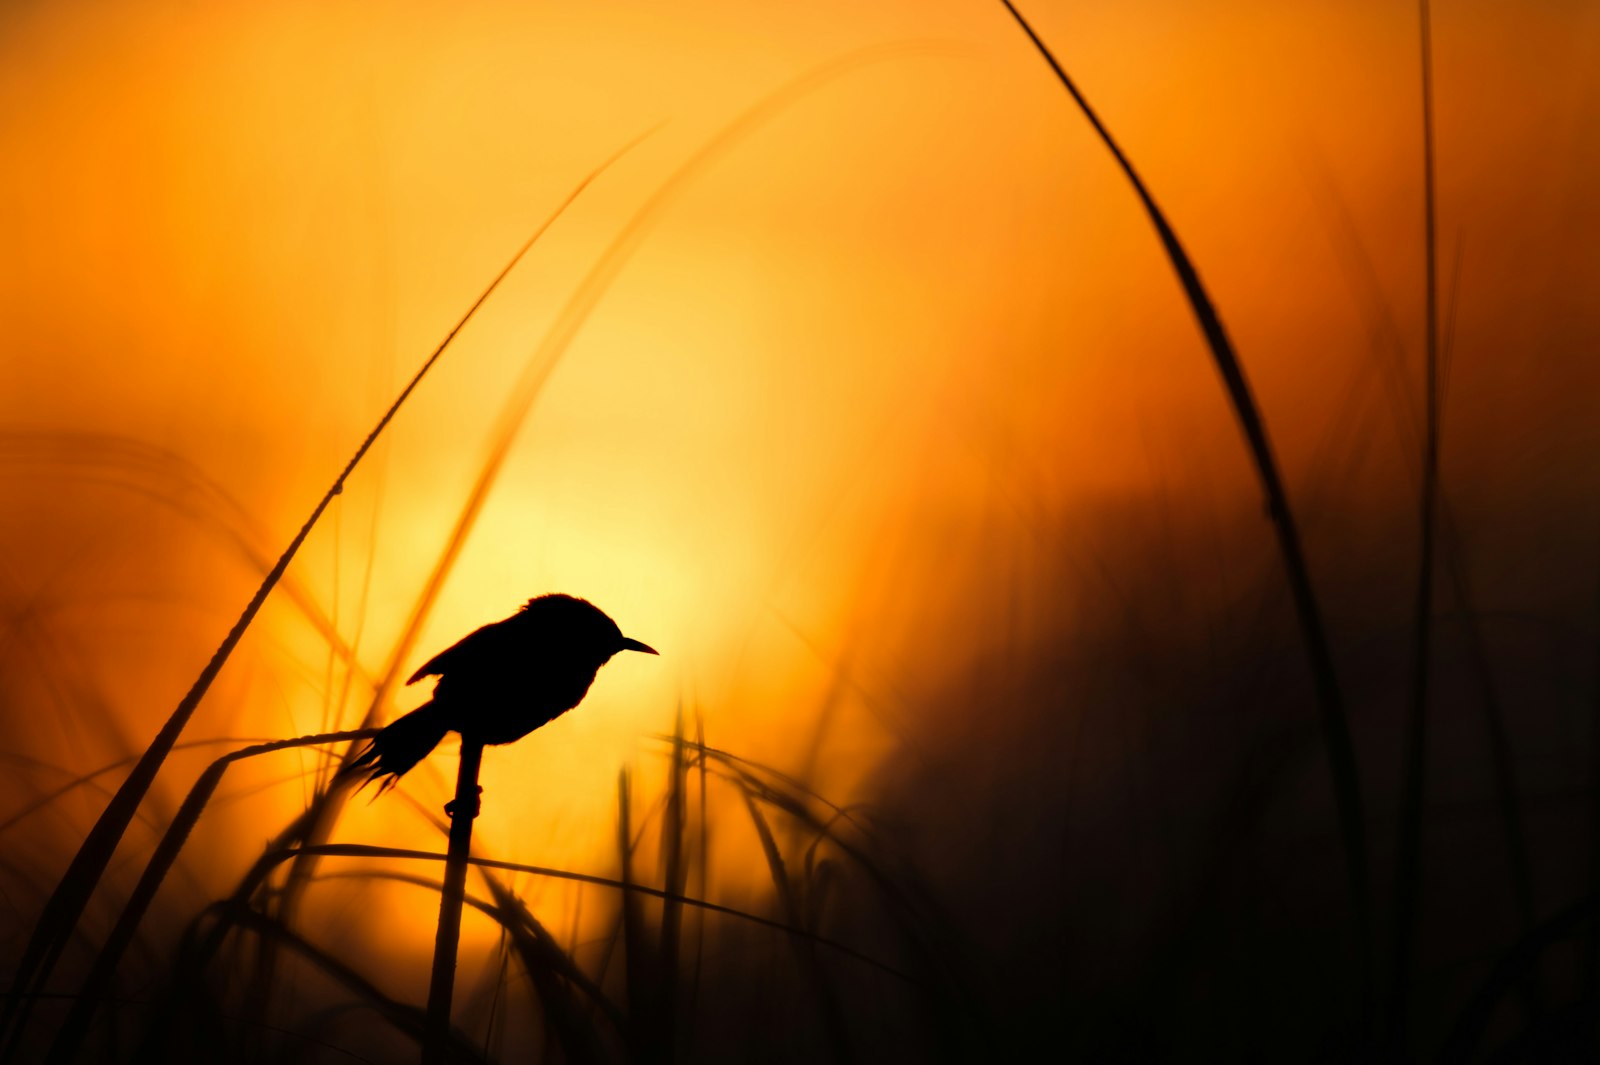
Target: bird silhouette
{"points": [[501, 682]]}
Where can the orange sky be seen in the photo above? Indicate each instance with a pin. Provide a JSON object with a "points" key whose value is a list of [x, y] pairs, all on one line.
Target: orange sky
{"points": [[910, 314]]}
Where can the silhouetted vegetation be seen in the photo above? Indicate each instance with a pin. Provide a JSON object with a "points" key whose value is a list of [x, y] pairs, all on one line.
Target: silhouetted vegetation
{"points": [[1158, 829]]}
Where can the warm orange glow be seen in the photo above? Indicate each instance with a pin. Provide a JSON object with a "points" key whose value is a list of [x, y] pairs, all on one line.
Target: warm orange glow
{"points": [[816, 433]]}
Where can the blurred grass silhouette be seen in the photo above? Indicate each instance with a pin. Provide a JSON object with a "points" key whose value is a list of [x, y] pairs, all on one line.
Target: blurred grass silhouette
{"points": [[1003, 889]]}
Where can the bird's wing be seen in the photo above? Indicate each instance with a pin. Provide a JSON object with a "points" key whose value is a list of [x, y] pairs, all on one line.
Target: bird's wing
{"points": [[464, 652]]}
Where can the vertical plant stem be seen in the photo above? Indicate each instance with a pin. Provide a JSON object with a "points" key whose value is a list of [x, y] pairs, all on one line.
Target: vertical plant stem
{"points": [[1591, 946], [675, 873], [703, 859], [462, 811], [1334, 720], [1408, 857], [638, 952]]}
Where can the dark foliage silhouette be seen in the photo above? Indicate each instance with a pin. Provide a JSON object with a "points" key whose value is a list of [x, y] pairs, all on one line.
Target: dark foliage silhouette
{"points": [[501, 682]]}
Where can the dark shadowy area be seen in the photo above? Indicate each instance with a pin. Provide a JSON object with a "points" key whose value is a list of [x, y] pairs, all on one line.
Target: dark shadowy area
{"points": [[1136, 828]]}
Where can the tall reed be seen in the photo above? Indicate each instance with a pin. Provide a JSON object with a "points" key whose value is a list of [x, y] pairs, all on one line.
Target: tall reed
{"points": [[1334, 719], [1413, 789], [463, 811]]}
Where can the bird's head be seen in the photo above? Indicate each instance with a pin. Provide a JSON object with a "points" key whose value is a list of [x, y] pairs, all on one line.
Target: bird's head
{"points": [[581, 625]]}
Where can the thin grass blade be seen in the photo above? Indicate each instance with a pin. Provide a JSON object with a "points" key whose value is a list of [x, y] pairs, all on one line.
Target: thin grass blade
{"points": [[1335, 724]]}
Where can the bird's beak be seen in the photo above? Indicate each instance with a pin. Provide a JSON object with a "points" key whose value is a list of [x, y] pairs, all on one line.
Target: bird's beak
{"points": [[635, 645]]}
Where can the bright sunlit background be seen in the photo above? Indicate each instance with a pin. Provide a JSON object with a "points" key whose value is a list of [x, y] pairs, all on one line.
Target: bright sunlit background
{"points": [[796, 410]]}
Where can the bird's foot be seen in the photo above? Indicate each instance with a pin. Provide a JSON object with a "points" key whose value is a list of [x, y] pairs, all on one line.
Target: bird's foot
{"points": [[470, 807]]}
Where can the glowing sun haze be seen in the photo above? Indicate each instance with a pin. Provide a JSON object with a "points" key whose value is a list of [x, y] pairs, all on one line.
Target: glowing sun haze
{"points": [[897, 321]]}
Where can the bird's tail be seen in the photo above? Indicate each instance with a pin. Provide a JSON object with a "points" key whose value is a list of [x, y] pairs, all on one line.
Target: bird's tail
{"points": [[401, 745]]}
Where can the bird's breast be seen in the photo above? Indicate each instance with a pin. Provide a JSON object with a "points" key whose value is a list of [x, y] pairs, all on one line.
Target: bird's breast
{"points": [[506, 707]]}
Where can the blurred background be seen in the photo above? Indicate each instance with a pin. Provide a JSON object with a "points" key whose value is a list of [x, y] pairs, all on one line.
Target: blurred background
{"points": [[860, 387]]}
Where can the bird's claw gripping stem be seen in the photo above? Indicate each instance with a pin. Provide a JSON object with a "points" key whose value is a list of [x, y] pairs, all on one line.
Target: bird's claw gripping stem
{"points": [[470, 808]]}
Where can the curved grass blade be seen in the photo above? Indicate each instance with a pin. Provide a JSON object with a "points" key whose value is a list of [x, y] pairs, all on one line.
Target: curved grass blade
{"points": [[804, 950], [67, 902], [1334, 720], [1387, 338], [87, 779], [362, 850], [300, 1036], [172, 481], [407, 1019], [576, 312], [1413, 785], [70, 1038], [549, 967], [1513, 969]]}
